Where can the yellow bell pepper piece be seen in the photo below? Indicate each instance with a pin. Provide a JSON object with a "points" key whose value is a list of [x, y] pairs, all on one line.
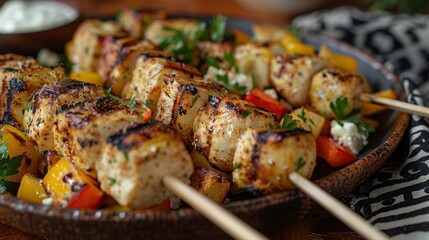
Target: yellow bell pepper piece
{"points": [[368, 109], [19, 144], [290, 38], [31, 189], [299, 48], [338, 60], [61, 179], [86, 76], [293, 45]]}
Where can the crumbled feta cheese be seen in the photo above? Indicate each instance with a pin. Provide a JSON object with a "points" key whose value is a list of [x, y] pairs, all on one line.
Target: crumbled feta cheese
{"points": [[234, 77], [47, 201], [348, 136], [272, 93]]}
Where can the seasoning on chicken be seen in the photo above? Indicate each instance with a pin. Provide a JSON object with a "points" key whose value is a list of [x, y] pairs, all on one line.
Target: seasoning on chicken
{"points": [[265, 158], [211, 184], [150, 68], [180, 101], [18, 90], [255, 59], [113, 48], [83, 127], [136, 159], [86, 43], [40, 117], [122, 72], [135, 21], [332, 83], [291, 76], [219, 125]]}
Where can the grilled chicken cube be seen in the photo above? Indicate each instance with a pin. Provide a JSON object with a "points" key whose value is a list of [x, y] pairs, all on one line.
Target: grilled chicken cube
{"points": [[11, 65], [180, 101], [40, 116], [308, 120], [265, 158], [291, 76], [135, 21], [255, 59], [82, 128], [20, 89], [87, 41], [150, 68], [156, 32], [113, 48], [211, 184], [136, 159], [332, 83], [122, 72], [219, 125]]}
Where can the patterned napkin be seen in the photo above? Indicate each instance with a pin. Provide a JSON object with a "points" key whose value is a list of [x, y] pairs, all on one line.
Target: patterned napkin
{"points": [[396, 199]]}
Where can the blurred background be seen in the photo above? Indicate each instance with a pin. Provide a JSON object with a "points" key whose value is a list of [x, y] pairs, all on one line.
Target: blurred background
{"points": [[270, 11]]}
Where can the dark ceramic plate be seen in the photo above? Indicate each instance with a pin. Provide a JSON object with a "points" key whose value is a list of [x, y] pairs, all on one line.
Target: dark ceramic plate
{"points": [[264, 213]]}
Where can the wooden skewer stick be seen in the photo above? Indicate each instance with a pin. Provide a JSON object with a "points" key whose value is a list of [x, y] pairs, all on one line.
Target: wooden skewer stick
{"points": [[396, 105], [225, 220], [339, 210]]}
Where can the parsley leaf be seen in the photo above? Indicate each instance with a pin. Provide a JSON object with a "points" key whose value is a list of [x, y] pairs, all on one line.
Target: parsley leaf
{"points": [[217, 27], [182, 43], [245, 113], [210, 61], [301, 115], [129, 104], [8, 167], [300, 163], [223, 79], [295, 31], [338, 108], [8, 69], [230, 59], [288, 123]]}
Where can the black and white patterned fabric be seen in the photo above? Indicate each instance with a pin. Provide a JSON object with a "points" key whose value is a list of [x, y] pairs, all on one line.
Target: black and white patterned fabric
{"points": [[396, 199]]}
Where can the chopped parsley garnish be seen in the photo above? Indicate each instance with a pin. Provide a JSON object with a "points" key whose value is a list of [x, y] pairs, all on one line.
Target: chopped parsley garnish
{"points": [[301, 115], [230, 59], [212, 62], [223, 79], [237, 166], [148, 103], [217, 28], [126, 156], [300, 163], [8, 69], [295, 31], [339, 107], [129, 104], [245, 113], [182, 43], [288, 123], [112, 181], [8, 167]]}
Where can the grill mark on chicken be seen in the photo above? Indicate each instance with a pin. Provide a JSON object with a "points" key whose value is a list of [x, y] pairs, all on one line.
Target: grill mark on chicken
{"points": [[146, 131], [16, 86]]}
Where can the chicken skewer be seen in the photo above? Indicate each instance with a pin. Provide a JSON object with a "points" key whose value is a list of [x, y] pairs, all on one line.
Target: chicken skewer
{"points": [[395, 105]]}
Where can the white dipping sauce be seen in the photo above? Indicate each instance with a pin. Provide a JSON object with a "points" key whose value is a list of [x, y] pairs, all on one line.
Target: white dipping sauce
{"points": [[18, 16]]}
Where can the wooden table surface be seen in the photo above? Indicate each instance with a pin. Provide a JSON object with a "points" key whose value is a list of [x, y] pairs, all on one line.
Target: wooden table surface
{"points": [[318, 226]]}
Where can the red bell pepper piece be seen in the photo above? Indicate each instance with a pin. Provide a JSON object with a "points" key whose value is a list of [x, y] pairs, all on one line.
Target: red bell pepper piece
{"points": [[260, 99], [90, 197], [326, 130], [333, 153]]}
